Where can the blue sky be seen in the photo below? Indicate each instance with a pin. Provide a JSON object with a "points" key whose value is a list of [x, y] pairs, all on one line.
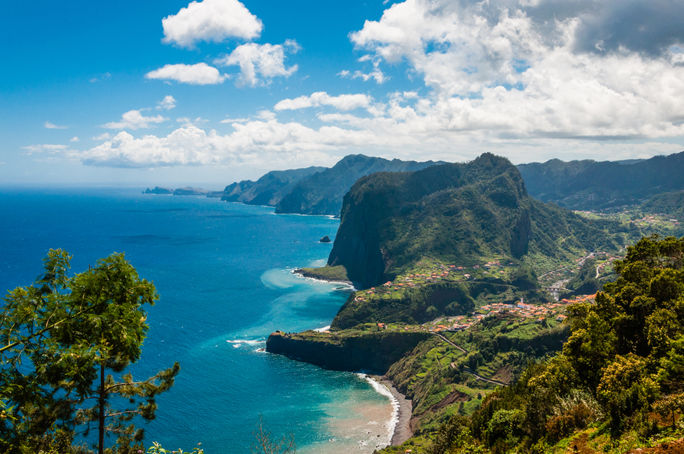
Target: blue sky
{"points": [[204, 93]]}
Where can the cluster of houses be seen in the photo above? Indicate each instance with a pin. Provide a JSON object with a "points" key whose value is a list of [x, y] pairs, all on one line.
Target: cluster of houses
{"points": [[437, 273], [651, 219], [540, 312]]}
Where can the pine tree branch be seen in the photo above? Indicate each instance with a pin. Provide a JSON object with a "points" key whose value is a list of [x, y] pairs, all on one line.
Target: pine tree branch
{"points": [[40, 332]]}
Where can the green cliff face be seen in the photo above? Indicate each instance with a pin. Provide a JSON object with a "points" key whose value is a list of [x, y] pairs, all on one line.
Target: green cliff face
{"points": [[372, 351], [458, 213]]}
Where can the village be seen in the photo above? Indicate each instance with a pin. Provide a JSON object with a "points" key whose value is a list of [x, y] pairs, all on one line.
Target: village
{"points": [[434, 272], [430, 272], [539, 312]]}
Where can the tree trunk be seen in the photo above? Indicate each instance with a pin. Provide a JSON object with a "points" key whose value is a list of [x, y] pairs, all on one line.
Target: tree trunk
{"points": [[101, 410]]}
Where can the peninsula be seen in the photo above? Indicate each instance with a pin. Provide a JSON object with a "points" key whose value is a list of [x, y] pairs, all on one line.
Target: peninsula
{"points": [[455, 265]]}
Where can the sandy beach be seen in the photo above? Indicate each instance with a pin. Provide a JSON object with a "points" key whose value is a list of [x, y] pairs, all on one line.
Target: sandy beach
{"points": [[402, 427]]}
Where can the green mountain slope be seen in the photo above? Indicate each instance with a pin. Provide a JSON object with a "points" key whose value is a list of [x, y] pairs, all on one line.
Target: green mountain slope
{"points": [[269, 189], [671, 203], [322, 192], [591, 185], [461, 214]]}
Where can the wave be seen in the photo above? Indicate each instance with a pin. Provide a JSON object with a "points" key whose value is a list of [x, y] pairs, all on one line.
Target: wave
{"points": [[381, 389], [337, 285], [237, 343], [246, 341], [322, 330]]}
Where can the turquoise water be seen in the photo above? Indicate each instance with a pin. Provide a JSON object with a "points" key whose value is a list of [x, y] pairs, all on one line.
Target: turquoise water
{"points": [[223, 273]]}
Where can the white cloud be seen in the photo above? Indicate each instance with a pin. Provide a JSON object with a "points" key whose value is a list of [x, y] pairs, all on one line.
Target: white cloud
{"points": [[50, 125], [47, 148], [168, 103], [259, 63], [321, 98], [187, 121], [197, 74], [255, 142], [493, 70], [134, 119], [375, 74], [210, 20], [74, 139], [271, 144], [103, 136], [485, 76]]}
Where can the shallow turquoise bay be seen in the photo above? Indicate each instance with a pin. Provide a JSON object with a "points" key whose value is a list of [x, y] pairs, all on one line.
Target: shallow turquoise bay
{"points": [[223, 273]]}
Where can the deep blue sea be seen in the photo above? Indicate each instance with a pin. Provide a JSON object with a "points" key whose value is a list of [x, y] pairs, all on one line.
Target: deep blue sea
{"points": [[223, 273]]}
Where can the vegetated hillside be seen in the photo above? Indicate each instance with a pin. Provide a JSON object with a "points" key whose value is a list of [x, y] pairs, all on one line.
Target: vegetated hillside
{"points": [[458, 213], [451, 373], [322, 193], [616, 385], [592, 185], [671, 203], [269, 189]]}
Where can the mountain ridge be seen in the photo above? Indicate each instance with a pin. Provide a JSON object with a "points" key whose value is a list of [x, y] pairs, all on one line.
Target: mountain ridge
{"points": [[461, 213], [597, 185]]}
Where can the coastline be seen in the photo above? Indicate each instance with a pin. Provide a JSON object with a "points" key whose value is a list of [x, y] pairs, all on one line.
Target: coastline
{"points": [[400, 423], [299, 272]]}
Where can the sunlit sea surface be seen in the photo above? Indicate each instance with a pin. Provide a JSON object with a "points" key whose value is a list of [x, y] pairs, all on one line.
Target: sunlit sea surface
{"points": [[223, 271]]}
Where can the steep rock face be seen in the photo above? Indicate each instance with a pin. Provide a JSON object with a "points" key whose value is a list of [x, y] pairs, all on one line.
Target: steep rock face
{"points": [[372, 352], [588, 185], [460, 213], [269, 189], [322, 193]]}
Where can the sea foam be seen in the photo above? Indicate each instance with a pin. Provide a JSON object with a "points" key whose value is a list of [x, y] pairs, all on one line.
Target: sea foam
{"points": [[383, 390]]}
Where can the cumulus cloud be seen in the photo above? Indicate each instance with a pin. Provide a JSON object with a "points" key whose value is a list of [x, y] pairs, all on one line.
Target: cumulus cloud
{"points": [[74, 139], [252, 143], [514, 77], [168, 103], [648, 27], [103, 136], [50, 125], [321, 98], [259, 63], [210, 20], [509, 69], [271, 144], [197, 74], [375, 74], [134, 119]]}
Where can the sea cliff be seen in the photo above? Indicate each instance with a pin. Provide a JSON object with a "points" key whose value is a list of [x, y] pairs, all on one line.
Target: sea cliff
{"points": [[372, 352]]}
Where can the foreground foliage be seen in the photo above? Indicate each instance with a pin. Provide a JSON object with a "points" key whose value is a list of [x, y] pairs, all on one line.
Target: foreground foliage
{"points": [[618, 382], [66, 341]]}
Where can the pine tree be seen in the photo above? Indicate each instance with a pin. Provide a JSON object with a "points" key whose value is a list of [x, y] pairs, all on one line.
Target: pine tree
{"points": [[66, 343]]}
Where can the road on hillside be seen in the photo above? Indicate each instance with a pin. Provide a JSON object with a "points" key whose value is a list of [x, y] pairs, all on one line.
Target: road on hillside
{"points": [[466, 369]]}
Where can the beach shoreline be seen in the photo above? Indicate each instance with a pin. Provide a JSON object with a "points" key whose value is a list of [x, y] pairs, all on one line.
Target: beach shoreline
{"points": [[299, 272], [401, 430]]}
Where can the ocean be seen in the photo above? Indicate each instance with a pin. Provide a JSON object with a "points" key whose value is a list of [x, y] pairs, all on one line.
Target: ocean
{"points": [[223, 273]]}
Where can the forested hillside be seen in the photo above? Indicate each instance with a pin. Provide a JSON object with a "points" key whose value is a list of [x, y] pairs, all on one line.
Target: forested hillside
{"points": [[592, 185]]}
